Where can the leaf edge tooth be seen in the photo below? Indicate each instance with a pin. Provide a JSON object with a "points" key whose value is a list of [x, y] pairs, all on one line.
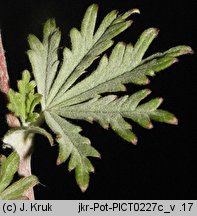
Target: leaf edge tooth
{"points": [[150, 126], [134, 141], [173, 121]]}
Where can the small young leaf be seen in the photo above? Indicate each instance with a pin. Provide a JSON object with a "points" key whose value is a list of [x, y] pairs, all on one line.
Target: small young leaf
{"points": [[23, 103]]}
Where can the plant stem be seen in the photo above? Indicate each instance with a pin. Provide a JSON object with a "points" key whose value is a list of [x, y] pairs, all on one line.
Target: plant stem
{"points": [[25, 151], [25, 170], [12, 121], [4, 85]]}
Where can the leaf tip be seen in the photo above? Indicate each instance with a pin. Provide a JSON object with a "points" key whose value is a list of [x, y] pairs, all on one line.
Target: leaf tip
{"points": [[148, 91], [122, 88], [173, 121], [2, 158], [135, 11], [58, 162], [51, 141], [152, 31], [190, 51], [175, 60], [156, 30], [105, 126], [147, 81], [84, 188], [150, 126], [160, 100], [187, 50], [95, 6], [128, 23], [134, 141]]}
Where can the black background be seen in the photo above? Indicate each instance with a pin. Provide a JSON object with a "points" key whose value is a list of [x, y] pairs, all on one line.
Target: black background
{"points": [[163, 164]]}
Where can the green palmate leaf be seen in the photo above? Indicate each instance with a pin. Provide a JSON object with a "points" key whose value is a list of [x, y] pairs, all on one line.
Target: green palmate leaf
{"points": [[111, 110], [23, 103], [87, 45], [72, 144], [8, 168], [64, 97]]}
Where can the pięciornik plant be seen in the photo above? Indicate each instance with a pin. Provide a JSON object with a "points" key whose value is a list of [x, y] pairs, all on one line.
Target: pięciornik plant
{"points": [[52, 93]]}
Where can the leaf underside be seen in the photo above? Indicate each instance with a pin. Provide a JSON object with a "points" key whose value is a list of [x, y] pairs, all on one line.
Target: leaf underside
{"points": [[64, 97], [15, 191]]}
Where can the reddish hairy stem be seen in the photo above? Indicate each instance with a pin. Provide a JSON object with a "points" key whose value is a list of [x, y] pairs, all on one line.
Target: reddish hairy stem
{"points": [[12, 120], [4, 85]]}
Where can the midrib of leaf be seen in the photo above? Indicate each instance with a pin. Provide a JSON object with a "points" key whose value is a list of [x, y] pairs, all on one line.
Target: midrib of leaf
{"points": [[47, 70], [52, 95], [44, 58], [108, 113], [67, 100], [106, 109], [72, 144], [111, 111], [49, 53], [66, 135]]}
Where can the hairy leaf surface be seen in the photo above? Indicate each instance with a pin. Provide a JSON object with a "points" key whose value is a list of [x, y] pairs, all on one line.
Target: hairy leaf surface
{"points": [[44, 57], [125, 65], [65, 97], [23, 103], [111, 111], [73, 144], [7, 170], [87, 45]]}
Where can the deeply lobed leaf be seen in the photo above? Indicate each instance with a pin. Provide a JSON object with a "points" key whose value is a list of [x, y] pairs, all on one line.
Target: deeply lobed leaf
{"points": [[15, 191], [73, 144], [23, 103], [111, 111], [125, 65], [44, 57], [64, 96], [87, 45]]}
